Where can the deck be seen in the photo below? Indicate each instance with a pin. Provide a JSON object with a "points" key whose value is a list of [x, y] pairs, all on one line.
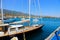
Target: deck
{"points": [[26, 29]]}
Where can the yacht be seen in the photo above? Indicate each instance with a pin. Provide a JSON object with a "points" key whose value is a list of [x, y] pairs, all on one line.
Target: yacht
{"points": [[15, 27]]}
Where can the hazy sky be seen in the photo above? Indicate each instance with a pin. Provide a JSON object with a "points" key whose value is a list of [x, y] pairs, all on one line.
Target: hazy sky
{"points": [[47, 7]]}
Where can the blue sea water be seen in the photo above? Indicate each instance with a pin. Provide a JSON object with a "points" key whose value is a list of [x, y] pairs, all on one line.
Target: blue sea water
{"points": [[50, 24]]}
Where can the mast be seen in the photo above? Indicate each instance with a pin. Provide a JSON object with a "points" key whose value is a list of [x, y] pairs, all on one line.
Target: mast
{"points": [[2, 11], [29, 10]]}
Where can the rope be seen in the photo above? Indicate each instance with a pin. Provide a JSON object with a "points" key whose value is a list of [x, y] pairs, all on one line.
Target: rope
{"points": [[24, 36]]}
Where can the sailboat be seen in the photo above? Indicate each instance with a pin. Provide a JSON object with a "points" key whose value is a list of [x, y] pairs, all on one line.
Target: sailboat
{"points": [[17, 28]]}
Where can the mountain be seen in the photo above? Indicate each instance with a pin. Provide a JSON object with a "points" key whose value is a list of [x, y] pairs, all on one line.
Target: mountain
{"points": [[14, 13], [11, 13]]}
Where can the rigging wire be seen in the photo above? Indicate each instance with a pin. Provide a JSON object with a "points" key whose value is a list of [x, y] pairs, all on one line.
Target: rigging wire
{"points": [[24, 37], [40, 10], [35, 20], [35, 6]]}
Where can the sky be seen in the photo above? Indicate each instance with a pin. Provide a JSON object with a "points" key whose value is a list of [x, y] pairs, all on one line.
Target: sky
{"points": [[47, 7]]}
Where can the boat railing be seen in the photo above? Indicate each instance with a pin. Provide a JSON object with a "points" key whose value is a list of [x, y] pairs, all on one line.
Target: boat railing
{"points": [[57, 33], [52, 34]]}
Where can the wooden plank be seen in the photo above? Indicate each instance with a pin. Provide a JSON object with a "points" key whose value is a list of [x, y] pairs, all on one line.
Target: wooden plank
{"points": [[1, 29]]}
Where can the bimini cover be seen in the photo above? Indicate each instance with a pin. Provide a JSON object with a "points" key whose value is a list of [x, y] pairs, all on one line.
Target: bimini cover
{"points": [[11, 20]]}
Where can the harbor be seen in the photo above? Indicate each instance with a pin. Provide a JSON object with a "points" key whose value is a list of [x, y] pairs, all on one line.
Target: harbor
{"points": [[47, 29], [29, 20]]}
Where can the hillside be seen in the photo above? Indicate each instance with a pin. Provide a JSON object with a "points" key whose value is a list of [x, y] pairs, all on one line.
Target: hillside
{"points": [[10, 13]]}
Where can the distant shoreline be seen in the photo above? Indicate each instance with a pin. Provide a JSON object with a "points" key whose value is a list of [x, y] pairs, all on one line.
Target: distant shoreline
{"points": [[11, 13], [26, 16]]}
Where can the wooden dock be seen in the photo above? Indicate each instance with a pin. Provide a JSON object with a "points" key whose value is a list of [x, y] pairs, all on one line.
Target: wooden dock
{"points": [[26, 29]]}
